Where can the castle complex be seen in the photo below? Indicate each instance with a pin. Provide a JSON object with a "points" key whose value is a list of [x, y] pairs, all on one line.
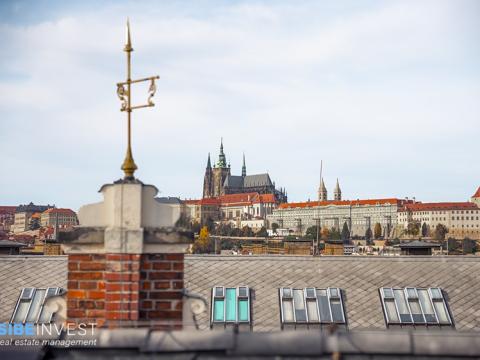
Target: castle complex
{"points": [[219, 181]]}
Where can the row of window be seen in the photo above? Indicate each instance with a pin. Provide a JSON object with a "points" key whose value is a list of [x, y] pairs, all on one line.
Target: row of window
{"points": [[401, 306]]}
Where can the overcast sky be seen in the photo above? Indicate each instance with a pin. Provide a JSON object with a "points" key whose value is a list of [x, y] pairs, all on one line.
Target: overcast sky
{"points": [[387, 93]]}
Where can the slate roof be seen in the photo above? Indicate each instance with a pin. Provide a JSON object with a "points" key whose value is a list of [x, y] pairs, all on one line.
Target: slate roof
{"points": [[233, 181], [249, 181], [17, 272], [8, 243], [359, 277]]}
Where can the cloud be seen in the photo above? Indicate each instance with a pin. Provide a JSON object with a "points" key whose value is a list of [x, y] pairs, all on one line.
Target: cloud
{"points": [[385, 93]]}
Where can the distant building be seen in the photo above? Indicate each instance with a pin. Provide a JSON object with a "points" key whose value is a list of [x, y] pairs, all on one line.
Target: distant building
{"points": [[62, 218], [417, 247], [23, 214], [247, 208], [219, 181], [7, 217], [462, 219], [359, 215], [8, 247]]}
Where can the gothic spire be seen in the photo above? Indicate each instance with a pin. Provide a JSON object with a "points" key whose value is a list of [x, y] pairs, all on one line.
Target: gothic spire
{"points": [[209, 164], [244, 168], [322, 191], [222, 162]]}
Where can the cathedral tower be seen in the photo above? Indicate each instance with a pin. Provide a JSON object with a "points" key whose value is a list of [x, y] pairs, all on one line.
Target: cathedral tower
{"points": [[220, 173], [337, 193], [207, 180]]}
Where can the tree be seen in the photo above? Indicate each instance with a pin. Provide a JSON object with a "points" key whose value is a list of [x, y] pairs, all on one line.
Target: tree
{"points": [[377, 231], [311, 233], [469, 246], [203, 244], [196, 227], [275, 226], [424, 230], [262, 232], [247, 231], [335, 234], [345, 232], [440, 232], [210, 224], [413, 228], [34, 223], [325, 233], [368, 235]]}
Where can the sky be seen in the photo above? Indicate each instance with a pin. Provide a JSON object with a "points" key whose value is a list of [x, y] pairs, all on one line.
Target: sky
{"points": [[386, 93]]}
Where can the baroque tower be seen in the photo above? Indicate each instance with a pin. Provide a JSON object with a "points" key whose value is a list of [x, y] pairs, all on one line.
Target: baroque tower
{"points": [[337, 193]]}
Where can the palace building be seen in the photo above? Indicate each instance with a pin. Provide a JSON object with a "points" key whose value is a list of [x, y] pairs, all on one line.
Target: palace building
{"points": [[219, 181]]}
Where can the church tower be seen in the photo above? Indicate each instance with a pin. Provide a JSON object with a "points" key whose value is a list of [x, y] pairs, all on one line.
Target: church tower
{"points": [[244, 168], [219, 173], [337, 193], [322, 191], [207, 180]]}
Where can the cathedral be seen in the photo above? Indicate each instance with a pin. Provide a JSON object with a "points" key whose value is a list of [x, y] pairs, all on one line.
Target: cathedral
{"points": [[219, 181]]}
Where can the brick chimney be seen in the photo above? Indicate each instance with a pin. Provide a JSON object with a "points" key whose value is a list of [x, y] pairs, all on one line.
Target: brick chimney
{"points": [[125, 260]]}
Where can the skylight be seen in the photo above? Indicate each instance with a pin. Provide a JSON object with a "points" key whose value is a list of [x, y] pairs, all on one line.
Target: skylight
{"points": [[415, 306], [30, 306], [311, 306], [230, 304]]}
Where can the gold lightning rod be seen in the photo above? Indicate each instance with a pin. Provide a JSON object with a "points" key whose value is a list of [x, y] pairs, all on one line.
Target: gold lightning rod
{"points": [[124, 92]]}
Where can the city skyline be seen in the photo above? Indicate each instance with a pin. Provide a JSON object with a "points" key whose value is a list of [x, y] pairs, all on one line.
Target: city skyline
{"points": [[386, 93]]}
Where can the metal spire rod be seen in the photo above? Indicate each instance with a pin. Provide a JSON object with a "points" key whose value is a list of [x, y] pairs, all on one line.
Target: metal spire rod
{"points": [[125, 96]]}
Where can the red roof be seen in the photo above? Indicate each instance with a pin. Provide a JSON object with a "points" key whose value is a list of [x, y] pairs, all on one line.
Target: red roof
{"points": [[440, 206], [477, 194], [59, 211], [393, 201], [235, 199], [191, 202]]}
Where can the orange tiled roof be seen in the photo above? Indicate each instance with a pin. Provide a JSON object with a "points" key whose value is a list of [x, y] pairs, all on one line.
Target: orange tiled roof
{"points": [[191, 202], [36, 215], [477, 193], [440, 206], [342, 202], [59, 211]]}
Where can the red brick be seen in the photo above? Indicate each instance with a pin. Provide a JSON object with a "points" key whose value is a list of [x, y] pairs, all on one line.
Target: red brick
{"points": [[72, 265], [158, 275], [122, 257], [71, 284], [119, 286], [162, 284], [92, 265], [96, 313], [122, 276], [165, 295], [87, 284], [121, 297], [79, 257], [178, 266], [86, 304], [146, 285], [146, 266], [178, 305], [162, 265], [165, 315], [75, 313], [75, 294], [146, 304], [100, 304], [177, 284], [120, 315], [91, 275], [96, 294], [72, 304], [163, 305], [174, 257]]}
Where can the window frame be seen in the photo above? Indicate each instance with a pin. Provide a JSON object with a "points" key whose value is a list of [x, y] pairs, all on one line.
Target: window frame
{"points": [[237, 298], [408, 299], [308, 321]]}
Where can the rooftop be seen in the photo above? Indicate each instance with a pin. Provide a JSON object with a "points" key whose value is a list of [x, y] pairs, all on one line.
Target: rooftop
{"points": [[439, 206], [388, 201]]}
